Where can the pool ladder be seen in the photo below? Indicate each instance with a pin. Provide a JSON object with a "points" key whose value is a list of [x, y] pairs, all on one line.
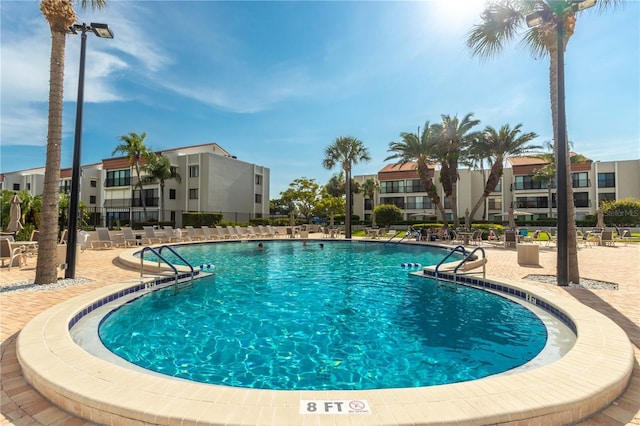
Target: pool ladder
{"points": [[177, 286], [395, 235], [468, 257]]}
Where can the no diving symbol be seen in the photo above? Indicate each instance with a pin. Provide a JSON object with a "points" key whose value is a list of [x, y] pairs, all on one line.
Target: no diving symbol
{"points": [[357, 405]]}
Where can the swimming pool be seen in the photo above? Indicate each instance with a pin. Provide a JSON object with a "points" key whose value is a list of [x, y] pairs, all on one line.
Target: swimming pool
{"points": [[348, 316], [563, 389]]}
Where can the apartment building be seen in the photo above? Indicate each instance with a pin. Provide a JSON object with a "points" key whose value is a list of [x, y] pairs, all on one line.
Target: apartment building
{"points": [[593, 182], [211, 180]]}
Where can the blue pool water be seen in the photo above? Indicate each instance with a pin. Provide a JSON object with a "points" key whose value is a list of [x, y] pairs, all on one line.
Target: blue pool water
{"points": [[296, 316]]}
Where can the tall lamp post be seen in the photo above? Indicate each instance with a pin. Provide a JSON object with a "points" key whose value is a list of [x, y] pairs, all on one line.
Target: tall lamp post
{"points": [[102, 31], [533, 20]]}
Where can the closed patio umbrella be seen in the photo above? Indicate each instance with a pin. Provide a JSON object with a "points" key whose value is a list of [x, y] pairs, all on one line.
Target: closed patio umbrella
{"points": [[511, 216], [512, 219], [600, 223], [15, 213]]}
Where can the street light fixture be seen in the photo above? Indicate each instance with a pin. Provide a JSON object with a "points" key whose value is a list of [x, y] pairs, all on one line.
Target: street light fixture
{"points": [[102, 31], [533, 20]]}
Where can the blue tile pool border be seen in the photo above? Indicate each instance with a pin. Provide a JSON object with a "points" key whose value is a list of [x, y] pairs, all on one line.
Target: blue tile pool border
{"points": [[125, 292], [505, 289]]}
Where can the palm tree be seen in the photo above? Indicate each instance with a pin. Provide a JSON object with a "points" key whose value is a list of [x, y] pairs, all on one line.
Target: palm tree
{"points": [[369, 188], [501, 21], [60, 15], [497, 146], [421, 149], [346, 151], [455, 138], [158, 169], [134, 148]]}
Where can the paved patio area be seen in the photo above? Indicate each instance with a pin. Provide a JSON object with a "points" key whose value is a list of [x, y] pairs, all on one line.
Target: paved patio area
{"points": [[22, 405]]}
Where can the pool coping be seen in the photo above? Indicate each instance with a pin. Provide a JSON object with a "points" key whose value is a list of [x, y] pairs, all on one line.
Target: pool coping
{"points": [[588, 378]]}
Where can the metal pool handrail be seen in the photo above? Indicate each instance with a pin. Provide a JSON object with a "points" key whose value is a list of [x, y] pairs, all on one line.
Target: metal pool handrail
{"points": [[172, 266]]}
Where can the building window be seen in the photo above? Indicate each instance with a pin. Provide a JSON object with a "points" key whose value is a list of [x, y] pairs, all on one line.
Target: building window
{"points": [[606, 180], [418, 203], [150, 198], [528, 182], [606, 196], [258, 198], [581, 199], [194, 171], [172, 194], [28, 186], [495, 203], [65, 186], [16, 187], [396, 201], [498, 186], [415, 185], [368, 204], [258, 180], [193, 194], [532, 202], [92, 199], [391, 186], [118, 178], [93, 183], [580, 180]]}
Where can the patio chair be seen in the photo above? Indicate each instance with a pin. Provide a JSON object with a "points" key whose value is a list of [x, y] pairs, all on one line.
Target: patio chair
{"points": [[193, 234], [246, 232], [606, 238], [82, 239], [174, 235], [476, 237], [11, 254], [274, 231], [104, 239], [209, 233], [151, 236], [510, 239], [624, 235], [264, 232], [222, 234], [129, 237], [63, 236]]}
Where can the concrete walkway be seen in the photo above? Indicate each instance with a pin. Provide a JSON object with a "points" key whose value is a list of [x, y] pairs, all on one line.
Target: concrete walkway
{"points": [[22, 405]]}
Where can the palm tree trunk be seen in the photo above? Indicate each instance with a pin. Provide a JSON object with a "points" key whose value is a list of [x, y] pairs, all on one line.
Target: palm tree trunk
{"points": [[139, 184], [454, 206], [347, 219], [489, 187], [46, 267], [430, 189], [572, 249]]}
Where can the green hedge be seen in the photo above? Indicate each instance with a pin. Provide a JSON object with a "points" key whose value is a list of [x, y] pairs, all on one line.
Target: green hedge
{"points": [[201, 219]]}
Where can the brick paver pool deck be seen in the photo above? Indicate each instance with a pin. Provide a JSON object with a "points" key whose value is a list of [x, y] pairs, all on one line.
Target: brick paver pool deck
{"points": [[23, 405]]}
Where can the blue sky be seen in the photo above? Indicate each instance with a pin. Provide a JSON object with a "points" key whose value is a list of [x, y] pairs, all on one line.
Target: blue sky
{"points": [[274, 83]]}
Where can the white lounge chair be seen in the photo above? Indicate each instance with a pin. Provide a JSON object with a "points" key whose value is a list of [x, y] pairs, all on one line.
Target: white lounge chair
{"points": [[129, 237], [176, 235], [104, 239], [209, 233], [274, 231], [251, 232], [264, 232], [151, 236], [193, 235], [231, 231], [222, 234]]}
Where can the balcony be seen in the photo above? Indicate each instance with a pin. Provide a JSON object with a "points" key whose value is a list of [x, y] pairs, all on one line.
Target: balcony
{"points": [[117, 182]]}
